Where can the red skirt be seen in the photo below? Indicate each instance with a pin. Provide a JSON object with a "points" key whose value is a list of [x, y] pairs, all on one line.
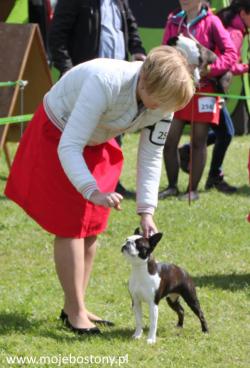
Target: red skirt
{"points": [[201, 109], [38, 184]]}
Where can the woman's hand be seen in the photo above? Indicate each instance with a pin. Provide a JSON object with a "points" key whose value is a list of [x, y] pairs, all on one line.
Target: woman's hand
{"points": [[109, 200], [147, 224]]}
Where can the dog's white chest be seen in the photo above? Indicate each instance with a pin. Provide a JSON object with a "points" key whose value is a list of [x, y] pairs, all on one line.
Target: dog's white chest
{"points": [[143, 286]]}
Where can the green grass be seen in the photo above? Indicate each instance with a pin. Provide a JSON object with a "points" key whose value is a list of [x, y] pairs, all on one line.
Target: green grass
{"points": [[210, 239], [19, 12]]}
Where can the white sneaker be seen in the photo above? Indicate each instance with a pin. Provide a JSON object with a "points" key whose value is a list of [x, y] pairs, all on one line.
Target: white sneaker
{"points": [[193, 195]]}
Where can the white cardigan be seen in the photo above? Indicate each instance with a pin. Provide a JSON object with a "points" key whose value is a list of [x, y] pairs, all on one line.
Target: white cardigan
{"points": [[96, 101]]}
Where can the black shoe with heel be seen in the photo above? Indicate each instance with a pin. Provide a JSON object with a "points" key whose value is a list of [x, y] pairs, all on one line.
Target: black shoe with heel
{"points": [[103, 322], [82, 331], [63, 316], [124, 192]]}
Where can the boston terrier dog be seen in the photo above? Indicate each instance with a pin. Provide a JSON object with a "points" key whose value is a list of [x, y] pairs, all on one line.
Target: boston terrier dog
{"points": [[151, 281]]}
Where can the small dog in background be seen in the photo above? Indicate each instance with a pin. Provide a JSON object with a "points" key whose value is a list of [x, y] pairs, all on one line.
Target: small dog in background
{"points": [[200, 56], [151, 281]]}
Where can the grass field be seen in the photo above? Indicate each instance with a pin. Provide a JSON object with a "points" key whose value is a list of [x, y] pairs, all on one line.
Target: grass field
{"points": [[210, 239]]}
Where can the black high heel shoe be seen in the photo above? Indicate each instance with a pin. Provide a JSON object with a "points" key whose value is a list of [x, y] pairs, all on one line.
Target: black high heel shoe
{"points": [[63, 316], [82, 331], [101, 322]]}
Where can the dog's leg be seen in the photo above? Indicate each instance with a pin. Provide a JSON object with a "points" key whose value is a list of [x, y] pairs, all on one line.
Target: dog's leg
{"points": [[176, 306], [153, 314], [137, 308], [190, 297]]}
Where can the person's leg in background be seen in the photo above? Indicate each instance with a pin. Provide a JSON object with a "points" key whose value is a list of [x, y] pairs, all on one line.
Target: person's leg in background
{"points": [[224, 133], [199, 155], [171, 158], [184, 150]]}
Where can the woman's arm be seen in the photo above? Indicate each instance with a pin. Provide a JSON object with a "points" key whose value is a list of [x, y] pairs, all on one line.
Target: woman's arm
{"points": [[237, 37], [149, 165], [228, 53], [84, 119]]}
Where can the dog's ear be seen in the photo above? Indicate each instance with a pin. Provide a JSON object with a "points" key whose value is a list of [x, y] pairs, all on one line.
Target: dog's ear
{"points": [[137, 231], [172, 41], [154, 240]]}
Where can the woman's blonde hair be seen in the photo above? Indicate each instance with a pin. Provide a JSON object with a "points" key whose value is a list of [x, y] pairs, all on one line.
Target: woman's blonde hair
{"points": [[168, 78]]}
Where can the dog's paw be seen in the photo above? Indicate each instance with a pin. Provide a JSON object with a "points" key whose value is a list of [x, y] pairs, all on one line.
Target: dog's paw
{"points": [[137, 335], [151, 340]]}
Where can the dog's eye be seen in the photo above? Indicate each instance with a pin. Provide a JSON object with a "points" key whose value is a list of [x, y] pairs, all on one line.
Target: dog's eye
{"points": [[143, 252]]}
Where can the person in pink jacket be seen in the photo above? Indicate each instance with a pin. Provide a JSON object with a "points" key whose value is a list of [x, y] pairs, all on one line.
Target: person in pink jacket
{"points": [[236, 19], [195, 20]]}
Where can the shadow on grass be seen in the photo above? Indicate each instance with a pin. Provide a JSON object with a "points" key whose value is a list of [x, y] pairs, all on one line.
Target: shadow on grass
{"points": [[63, 334], [118, 333], [243, 191], [15, 322], [231, 282], [3, 198]]}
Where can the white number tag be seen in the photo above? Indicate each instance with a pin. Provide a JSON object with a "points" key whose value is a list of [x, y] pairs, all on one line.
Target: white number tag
{"points": [[207, 104], [159, 132]]}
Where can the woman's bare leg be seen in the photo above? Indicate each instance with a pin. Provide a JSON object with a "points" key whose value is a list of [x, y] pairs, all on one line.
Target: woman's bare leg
{"points": [[69, 257], [89, 255]]}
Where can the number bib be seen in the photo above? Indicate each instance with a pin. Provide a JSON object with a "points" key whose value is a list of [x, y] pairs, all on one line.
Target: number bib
{"points": [[201, 109], [207, 104], [159, 132]]}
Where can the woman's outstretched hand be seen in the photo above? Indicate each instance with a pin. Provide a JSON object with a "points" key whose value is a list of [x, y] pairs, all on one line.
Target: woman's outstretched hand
{"points": [[147, 224], [110, 200]]}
